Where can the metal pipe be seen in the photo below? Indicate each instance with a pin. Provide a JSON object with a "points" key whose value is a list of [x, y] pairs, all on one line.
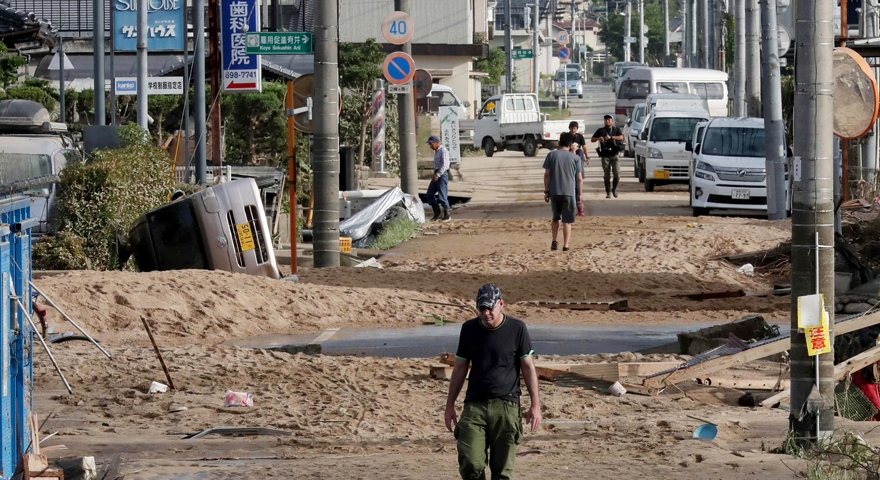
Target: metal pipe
{"points": [[685, 33], [98, 38], [665, 33], [739, 59], [142, 32], [813, 209], [536, 47], [627, 46], [641, 31], [61, 93], [508, 45], [67, 317], [704, 7], [325, 163], [186, 80], [407, 128], [774, 129], [201, 132], [112, 92]]}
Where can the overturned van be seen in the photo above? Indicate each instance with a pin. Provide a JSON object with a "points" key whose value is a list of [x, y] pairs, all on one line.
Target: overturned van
{"points": [[222, 227]]}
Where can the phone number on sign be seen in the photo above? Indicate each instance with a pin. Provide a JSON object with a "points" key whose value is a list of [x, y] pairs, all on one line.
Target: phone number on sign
{"points": [[236, 74]]}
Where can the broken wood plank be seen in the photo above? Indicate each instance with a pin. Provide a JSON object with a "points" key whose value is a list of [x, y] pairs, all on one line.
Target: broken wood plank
{"points": [[643, 369], [743, 383], [841, 370], [441, 372], [712, 295], [756, 353], [618, 304], [550, 372], [597, 371], [639, 389]]}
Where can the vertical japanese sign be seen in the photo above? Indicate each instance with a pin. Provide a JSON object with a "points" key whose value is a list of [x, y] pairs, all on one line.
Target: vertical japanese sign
{"points": [[241, 72], [167, 29], [449, 134]]}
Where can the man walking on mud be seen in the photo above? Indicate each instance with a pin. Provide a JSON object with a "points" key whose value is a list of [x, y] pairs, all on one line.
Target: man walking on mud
{"points": [[563, 181], [496, 347], [607, 137], [437, 193]]}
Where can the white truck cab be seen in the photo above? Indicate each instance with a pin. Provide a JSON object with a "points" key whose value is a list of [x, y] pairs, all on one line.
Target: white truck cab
{"points": [[661, 153], [729, 170]]}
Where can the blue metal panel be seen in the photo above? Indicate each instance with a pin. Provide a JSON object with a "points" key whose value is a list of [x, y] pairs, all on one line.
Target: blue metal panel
{"points": [[15, 265]]}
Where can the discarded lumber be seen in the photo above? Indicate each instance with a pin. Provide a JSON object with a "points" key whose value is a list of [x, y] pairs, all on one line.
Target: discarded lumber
{"points": [[619, 304], [712, 295], [250, 431], [841, 371], [158, 353], [742, 383], [37, 466], [755, 353]]}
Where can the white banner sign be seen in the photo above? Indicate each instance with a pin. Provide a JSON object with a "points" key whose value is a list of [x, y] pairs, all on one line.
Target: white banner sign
{"points": [[155, 86], [449, 132]]}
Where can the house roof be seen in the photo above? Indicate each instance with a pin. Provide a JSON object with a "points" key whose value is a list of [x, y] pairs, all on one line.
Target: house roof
{"points": [[566, 24]]}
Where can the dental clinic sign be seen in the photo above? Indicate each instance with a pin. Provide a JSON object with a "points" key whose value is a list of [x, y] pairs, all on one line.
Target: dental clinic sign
{"points": [[164, 22]]}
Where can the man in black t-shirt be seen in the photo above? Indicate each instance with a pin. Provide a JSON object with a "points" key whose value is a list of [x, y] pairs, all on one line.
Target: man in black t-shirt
{"points": [[607, 137], [497, 348]]}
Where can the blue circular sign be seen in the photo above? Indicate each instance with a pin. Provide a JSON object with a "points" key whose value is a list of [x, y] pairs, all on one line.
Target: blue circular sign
{"points": [[399, 68], [564, 53]]}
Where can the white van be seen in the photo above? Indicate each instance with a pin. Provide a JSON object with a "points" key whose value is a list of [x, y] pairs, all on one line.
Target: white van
{"points": [[620, 69], [448, 98], [661, 153], [638, 83], [729, 166], [674, 100]]}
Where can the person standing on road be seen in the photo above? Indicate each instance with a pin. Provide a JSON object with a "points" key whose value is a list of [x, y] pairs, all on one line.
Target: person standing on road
{"points": [[497, 348], [563, 180], [607, 137], [579, 147], [440, 181]]}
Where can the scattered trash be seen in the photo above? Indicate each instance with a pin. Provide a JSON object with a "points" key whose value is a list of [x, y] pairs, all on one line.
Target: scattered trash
{"points": [[616, 389], [706, 430], [370, 262], [83, 468], [747, 269], [176, 409], [430, 233], [239, 399], [157, 387]]}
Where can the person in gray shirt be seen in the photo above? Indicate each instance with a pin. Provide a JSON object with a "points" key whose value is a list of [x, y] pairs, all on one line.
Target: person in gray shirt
{"points": [[437, 189], [563, 178]]}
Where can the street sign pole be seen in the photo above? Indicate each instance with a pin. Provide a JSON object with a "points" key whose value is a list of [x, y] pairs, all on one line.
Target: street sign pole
{"points": [[405, 105]]}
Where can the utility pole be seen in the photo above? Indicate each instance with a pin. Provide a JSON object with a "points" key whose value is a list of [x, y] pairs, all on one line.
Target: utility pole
{"points": [[774, 130], [216, 67], [739, 59], [685, 32], [112, 92], [753, 59], [61, 91], [869, 159], [325, 162], [641, 31], [406, 113], [812, 256], [142, 32], [573, 35], [508, 47], [665, 33], [98, 36], [693, 40], [536, 48], [627, 45], [704, 7], [199, 89]]}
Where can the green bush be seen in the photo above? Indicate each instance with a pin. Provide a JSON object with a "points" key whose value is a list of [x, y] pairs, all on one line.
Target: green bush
{"points": [[101, 198], [36, 94]]}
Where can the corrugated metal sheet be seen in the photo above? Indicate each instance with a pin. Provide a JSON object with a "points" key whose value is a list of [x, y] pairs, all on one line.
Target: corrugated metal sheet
{"points": [[73, 18], [446, 22]]}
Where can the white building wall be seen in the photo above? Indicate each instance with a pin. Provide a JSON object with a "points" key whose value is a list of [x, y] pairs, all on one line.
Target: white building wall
{"points": [[446, 22]]}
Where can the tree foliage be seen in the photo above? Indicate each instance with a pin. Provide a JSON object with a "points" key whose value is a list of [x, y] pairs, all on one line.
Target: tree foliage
{"points": [[612, 30], [10, 66], [256, 126], [98, 199], [493, 64], [36, 94], [358, 69]]}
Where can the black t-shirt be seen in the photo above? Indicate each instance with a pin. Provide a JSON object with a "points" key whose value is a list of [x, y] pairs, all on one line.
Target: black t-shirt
{"points": [[495, 356], [608, 148]]}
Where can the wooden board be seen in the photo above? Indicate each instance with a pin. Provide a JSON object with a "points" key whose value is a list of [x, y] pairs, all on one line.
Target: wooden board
{"points": [[712, 295], [721, 363], [619, 304], [742, 383]]}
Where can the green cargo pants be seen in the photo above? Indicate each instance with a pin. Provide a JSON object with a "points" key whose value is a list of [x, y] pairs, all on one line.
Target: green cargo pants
{"points": [[488, 433]]}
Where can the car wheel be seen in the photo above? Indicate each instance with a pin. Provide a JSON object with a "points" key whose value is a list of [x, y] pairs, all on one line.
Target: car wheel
{"points": [[489, 146], [649, 185], [635, 166], [580, 96], [642, 173], [530, 147], [700, 212]]}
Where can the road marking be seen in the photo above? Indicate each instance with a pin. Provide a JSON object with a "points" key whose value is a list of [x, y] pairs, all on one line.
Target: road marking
{"points": [[326, 335]]}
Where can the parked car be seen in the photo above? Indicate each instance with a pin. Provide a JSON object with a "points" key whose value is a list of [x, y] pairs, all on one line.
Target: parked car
{"points": [[513, 121], [661, 154], [447, 98], [729, 167], [633, 127], [570, 81]]}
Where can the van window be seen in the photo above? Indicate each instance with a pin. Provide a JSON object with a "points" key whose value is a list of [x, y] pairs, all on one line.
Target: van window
{"points": [[520, 104], [562, 75], [672, 87], [708, 91], [633, 90], [638, 114], [447, 99], [674, 129], [734, 142], [488, 109], [530, 105], [509, 105]]}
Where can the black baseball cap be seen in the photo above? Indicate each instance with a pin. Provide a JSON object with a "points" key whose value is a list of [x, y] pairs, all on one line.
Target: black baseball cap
{"points": [[609, 117], [488, 295]]}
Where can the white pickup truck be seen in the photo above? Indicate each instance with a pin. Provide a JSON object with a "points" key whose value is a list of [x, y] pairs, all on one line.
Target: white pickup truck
{"points": [[513, 121]]}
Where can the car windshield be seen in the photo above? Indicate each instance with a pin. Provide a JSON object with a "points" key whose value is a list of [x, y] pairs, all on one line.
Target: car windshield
{"points": [[734, 142], [674, 129], [15, 167], [633, 90], [571, 74], [639, 114]]}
